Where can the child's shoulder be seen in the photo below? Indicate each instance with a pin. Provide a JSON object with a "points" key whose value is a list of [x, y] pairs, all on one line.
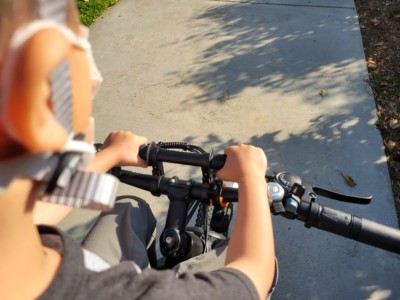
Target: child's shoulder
{"points": [[43, 51]]}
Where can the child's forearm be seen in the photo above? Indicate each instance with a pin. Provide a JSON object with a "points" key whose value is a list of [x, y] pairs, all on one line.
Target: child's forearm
{"points": [[251, 246], [103, 161], [49, 213]]}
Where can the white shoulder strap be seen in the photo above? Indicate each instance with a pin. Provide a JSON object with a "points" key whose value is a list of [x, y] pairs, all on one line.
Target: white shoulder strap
{"points": [[76, 189], [24, 33]]}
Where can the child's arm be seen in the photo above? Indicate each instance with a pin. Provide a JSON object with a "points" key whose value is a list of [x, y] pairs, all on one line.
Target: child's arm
{"points": [[49, 213], [251, 246], [120, 148]]}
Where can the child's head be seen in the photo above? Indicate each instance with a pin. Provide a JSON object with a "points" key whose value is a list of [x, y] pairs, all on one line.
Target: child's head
{"points": [[17, 13], [16, 64], [45, 97]]}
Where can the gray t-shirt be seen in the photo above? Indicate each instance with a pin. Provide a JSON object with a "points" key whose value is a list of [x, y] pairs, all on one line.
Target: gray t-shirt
{"points": [[126, 281]]}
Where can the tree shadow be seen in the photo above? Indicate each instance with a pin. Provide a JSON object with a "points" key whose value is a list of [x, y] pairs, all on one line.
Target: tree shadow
{"points": [[280, 54], [274, 49], [319, 154]]}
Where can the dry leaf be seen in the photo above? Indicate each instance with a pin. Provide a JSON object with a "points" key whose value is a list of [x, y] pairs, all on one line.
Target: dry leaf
{"points": [[371, 63], [323, 93], [394, 123], [350, 181], [390, 144]]}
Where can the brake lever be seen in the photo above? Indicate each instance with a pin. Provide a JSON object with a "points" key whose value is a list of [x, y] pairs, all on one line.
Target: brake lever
{"points": [[341, 197]]}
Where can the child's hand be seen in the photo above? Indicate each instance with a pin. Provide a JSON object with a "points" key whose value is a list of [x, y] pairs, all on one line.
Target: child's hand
{"points": [[124, 146], [243, 161]]}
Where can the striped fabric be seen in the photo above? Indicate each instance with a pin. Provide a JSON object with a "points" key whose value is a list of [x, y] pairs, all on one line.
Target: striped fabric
{"points": [[76, 189], [89, 190], [61, 91], [60, 82], [53, 9]]}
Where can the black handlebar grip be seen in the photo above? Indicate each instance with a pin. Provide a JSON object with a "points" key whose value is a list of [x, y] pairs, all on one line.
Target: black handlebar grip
{"points": [[330, 220], [353, 227], [218, 161], [151, 153], [143, 149]]}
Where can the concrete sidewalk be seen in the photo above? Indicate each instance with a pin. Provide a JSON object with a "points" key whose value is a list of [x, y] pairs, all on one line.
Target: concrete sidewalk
{"points": [[217, 73]]}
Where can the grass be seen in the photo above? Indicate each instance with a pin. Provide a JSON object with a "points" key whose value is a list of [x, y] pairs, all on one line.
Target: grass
{"points": [[89, 10]]}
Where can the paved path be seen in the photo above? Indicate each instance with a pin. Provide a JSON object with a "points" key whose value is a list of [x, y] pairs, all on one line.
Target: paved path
{"points": [[217, 73]]}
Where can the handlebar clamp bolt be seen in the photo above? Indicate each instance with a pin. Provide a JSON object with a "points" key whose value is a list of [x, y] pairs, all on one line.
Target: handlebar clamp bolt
{"points": [[313, 197], [170, 241]]}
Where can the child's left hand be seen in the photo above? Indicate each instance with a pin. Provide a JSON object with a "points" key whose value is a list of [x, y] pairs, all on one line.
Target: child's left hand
{"points": [[124, 146]]}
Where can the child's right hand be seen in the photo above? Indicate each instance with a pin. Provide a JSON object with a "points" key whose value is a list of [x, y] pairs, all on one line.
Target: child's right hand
{"points": [[243, 161], [247, 252]]}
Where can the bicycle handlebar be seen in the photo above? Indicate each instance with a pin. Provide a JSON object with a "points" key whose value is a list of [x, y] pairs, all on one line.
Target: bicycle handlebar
{"points": [[288, 201], [350, 226], [151, 153]]}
